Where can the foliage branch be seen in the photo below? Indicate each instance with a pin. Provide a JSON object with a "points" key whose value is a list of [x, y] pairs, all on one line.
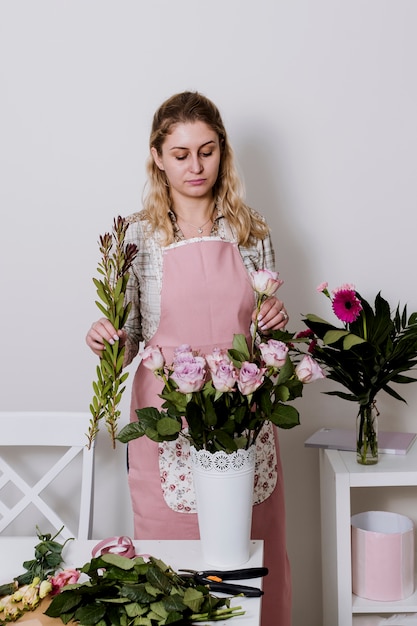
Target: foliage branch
{"points": [[116, 260]]}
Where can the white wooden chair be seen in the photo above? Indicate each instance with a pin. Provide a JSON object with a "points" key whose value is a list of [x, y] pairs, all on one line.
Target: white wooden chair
{"points": [[46, 473]]}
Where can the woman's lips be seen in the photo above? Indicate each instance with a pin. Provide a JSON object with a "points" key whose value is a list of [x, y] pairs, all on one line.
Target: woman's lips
{"points": [[196, 181]]}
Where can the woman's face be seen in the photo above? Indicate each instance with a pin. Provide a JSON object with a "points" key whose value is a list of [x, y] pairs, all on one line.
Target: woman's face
{"points": [[190, 159]]}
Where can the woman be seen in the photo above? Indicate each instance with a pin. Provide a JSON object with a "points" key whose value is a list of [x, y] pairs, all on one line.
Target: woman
{"points": [[197, 243]]}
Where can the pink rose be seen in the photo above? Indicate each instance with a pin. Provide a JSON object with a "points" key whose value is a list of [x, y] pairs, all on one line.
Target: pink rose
{"points": [[274, 353], [184, 350], [152, 358], [223, 372], [67, 577], [216, 356], [308, 370], [265, 282], [250, 378], [190, 375]]}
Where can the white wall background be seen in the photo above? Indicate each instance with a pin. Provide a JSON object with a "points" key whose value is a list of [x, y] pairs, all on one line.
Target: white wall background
{"points": [[320, 101]]}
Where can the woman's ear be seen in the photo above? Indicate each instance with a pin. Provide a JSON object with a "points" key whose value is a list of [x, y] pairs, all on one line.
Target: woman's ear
{"points": [[157, 158]]}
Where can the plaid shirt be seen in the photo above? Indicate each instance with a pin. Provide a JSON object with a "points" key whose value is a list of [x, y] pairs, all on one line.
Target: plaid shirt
{"points": [[145, 280]]}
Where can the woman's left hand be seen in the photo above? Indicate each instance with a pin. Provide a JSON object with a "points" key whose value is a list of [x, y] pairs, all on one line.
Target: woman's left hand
{"points": [[272, 315]]}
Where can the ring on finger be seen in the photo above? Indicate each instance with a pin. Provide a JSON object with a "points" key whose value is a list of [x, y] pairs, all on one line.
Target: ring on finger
{"points": [[284, 315]]}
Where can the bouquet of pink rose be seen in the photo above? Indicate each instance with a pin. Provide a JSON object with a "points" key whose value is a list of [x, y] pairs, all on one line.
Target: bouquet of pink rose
{"points": [[226, 396]]}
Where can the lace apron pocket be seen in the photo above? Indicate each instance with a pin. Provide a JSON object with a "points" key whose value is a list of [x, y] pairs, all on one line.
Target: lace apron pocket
{"points": [[176, 476]]}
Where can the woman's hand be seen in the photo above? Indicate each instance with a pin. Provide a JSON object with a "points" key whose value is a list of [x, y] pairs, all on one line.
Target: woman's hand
{"points": [[103, 330], [272, 315]]}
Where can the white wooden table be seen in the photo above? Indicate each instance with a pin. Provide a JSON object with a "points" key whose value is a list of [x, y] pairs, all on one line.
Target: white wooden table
{"points": [[177, 554]]}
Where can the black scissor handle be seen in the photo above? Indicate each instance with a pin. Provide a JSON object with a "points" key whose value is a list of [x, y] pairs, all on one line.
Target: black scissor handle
{"points": [[249, 592], [237, 574]]}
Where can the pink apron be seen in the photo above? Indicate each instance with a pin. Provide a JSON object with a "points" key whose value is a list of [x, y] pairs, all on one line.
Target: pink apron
{"points": [[206, 297]]}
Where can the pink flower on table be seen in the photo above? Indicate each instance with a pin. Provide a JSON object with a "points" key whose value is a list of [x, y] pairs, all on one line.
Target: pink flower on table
{"points": [[223, 372], [274, 353], [308, 370], [67, 577], [265, 282], [346, 305], [189, 375], [152, 358], [250, 377]]}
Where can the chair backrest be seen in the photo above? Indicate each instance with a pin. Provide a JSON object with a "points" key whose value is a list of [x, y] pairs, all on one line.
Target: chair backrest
{"points": [[46, 467]]}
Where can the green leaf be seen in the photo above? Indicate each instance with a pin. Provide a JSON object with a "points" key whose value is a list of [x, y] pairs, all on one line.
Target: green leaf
{"points": [[90, 614], [285, 416], [137, 593], [63, 603], [103, 309], [134, 609], [158, 579], [240, 344], [130, 431], [168, 426], [117, 560], [282, 393], [315, 318], [193, 599], [352, 340], [334, 335], [159, 609], [152, 591]]}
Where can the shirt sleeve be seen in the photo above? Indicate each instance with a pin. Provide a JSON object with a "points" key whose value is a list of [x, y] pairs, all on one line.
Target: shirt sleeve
{"points": [[260, 256]]}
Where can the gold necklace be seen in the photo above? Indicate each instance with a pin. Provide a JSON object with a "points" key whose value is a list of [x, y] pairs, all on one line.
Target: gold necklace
{"points": [[198, 228]]}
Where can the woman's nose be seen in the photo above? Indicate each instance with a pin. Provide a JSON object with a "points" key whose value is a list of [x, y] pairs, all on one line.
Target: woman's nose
{"points": [[196, 164]]}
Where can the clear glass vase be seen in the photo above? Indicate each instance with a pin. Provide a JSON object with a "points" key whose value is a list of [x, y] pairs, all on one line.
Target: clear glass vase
{"points": [[367, 434]]}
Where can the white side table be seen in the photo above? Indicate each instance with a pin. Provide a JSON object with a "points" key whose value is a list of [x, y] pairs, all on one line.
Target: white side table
{"points": [[339, 473]]}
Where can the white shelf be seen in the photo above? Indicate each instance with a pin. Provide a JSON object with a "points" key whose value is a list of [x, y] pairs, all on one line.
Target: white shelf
{"points": [[339, 473]]}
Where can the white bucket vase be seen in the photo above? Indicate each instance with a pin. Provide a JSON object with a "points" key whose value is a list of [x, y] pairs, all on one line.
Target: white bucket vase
{"points": [[223, 486], [382, 556]]}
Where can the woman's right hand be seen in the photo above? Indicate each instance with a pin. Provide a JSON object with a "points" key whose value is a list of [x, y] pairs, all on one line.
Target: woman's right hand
{"points": [[102, 330]]}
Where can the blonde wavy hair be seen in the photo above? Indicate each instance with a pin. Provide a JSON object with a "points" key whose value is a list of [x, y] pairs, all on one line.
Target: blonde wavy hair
{"points": [[192, 107]]}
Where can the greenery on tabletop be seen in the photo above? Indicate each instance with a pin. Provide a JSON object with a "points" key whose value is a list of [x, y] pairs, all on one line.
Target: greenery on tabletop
{"points": [[116, 260], [226, 397], [26, 590], [122, 592]]}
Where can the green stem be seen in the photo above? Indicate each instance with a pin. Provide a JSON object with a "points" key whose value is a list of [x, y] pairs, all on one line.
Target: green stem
{"points": [[255, 326], [367, 436]]}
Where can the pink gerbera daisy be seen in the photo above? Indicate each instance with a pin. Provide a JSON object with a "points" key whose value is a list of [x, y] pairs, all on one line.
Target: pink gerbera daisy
{"points": [[346, 305]]}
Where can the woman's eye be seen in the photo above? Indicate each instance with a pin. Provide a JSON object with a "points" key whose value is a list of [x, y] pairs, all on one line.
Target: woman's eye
{"points": [[180, 158], [206, 154]]}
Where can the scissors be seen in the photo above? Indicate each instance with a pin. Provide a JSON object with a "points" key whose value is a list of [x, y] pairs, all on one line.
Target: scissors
{"points": [[213, 579]]}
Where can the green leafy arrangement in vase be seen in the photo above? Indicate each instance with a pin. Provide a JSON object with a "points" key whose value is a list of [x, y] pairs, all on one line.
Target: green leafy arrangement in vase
{"points": [[367, 355], [116, 260], [227, 396]]}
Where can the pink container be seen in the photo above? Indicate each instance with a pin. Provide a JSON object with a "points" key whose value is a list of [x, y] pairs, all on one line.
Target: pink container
{"points": [[382, 556]]}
